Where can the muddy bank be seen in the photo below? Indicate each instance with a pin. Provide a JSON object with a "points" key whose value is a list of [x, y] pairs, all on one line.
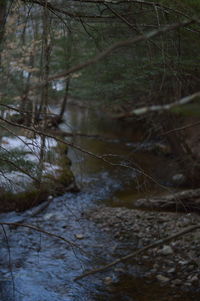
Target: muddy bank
{"points": [[175, 264]]}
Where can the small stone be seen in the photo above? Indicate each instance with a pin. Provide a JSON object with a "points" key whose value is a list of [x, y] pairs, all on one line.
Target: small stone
{"points": [[191, 267], [48, 216], [106, 229], [183, 262], [162, 278], [79, 236], [156, 265], [119, 270], [50, 198], [177, 282], [172, 270], [108, 280], [187, 283], [197, 235], [178, 179], [153, 271], [193, 279], [166, 250]]}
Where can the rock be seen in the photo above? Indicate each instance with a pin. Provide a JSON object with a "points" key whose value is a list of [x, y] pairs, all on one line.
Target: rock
{"points": [[162, 278], [156, 265], [177, 282], [191, 267], [79, 236], [166, 250], [196, 235], [188, 283], [193, 279], [108, 280], [183, 262], [48, 216], [172, 270], [178, 179]]}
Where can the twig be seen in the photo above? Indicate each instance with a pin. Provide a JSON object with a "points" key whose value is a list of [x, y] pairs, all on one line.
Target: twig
{"points": [[136, 253], [181, 128]]}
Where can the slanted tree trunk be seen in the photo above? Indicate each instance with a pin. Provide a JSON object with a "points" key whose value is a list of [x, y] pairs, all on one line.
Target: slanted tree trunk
{"points": [[64, 102], [68, 54], [44, 96], [3, 10], [26, 107]]}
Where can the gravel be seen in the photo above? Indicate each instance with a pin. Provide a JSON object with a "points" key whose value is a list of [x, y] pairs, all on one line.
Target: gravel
{"points": [[177, 263]]}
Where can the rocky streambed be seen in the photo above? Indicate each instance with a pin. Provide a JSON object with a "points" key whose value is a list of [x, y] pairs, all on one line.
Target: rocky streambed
{"points": [[176, 264]]}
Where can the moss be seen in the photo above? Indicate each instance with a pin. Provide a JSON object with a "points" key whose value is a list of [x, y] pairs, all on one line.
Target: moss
{"points": [[23, 200], [65, 178]]}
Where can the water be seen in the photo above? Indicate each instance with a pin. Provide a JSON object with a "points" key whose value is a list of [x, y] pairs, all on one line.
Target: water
{"points": [[39, 267]]}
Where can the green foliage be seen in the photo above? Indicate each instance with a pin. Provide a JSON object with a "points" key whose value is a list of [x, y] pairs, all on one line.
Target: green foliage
{"points": [[153, 70], [13, 160]]}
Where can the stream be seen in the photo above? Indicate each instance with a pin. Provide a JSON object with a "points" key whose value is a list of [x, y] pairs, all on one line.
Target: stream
{"points": [[38, 267]]}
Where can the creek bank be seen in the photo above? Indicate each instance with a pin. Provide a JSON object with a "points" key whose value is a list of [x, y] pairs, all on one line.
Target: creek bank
{"points": [[175, 264], [26, 179]]}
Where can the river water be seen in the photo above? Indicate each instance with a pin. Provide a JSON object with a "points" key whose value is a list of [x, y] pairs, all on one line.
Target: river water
{"points": [[38, 267]]}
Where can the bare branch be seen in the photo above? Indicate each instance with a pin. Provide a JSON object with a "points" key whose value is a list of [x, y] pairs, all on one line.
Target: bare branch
{"points": [[182, 128], [121, 44]]}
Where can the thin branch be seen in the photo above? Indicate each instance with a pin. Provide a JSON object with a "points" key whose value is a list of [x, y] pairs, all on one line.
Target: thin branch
{"points": [[182, 128], [136, 253], [72, 244]]}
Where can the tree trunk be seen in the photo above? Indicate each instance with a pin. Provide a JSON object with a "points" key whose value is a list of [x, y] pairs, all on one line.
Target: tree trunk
{"points": [[64, 102], [44, 96], [3, 10]]}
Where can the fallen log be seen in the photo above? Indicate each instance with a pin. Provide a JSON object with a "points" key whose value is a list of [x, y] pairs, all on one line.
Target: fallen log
{"points": [[187, 200]]}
